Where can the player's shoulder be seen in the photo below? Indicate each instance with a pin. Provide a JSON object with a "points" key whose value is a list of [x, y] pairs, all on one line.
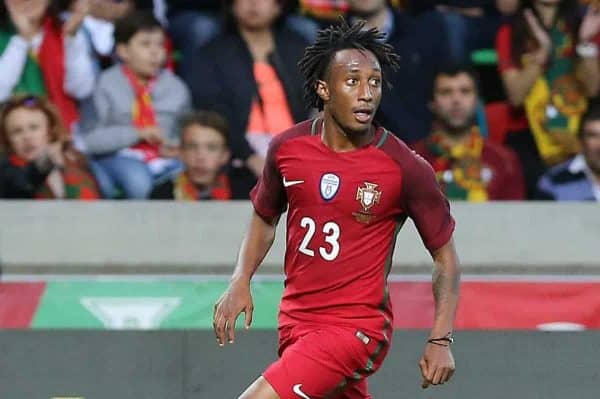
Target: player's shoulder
{"points": [[301, 129], [406, 157]]}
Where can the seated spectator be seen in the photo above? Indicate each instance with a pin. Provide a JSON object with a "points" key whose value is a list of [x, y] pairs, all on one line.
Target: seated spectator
{"points": [[40, 161], [467, 166], [133, 136], [249, 74], [421, 42], [471, 24], [578, 179], [549, 66], [205, 154], [40, 55], [194, 23]]}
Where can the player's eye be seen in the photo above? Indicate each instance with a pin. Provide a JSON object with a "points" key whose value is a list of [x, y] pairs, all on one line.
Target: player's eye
{"points": [[351, 81], [375, 82]]}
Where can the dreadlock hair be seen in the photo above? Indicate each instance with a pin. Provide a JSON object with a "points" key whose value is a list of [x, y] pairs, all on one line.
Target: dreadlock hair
{"points": [[315, 62]]}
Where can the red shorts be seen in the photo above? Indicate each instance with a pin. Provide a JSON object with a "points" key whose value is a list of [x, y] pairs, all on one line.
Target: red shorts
{"points": [[317, 362]]}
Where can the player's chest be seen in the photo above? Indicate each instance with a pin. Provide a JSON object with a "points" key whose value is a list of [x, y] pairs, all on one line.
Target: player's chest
{"points": [[365, 185]]}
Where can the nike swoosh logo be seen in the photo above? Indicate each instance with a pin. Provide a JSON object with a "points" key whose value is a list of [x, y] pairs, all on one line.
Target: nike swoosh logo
{"points": [[299, 392], [288, 183]]}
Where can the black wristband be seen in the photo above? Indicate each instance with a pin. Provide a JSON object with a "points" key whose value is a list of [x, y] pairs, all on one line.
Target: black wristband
{"points": [[438, 341]]}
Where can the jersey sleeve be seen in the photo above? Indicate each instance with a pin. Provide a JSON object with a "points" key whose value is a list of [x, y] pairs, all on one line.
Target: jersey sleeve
{"points": [[268, 196], [426, 205]]}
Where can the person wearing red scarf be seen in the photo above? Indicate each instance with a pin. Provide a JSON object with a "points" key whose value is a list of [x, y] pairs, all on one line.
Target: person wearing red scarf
{"points": [[42, 55], [134, 137], [205, 153], [467, 166]]}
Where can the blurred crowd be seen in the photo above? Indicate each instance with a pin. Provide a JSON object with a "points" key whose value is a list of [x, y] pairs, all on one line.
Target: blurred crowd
{"points": [[179, 99]]}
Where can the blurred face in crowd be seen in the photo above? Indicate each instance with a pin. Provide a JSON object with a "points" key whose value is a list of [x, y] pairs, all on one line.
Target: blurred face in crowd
{"points": [[256, 14], [590, 141], [33, 10], [145, 52], [366, 8], [352, 90], [204, 153], [28, 132], [455, 101]]}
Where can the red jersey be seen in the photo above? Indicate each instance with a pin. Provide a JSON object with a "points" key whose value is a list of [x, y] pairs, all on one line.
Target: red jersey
{"points": [[344, 212]]}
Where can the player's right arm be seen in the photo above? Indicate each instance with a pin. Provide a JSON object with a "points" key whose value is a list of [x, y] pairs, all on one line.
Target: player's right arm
{"points": [[269, 201], [238, 298]]}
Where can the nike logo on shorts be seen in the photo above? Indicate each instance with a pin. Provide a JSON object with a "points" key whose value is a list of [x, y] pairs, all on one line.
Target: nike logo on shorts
{"points": [[299, 392], [288, 183]]}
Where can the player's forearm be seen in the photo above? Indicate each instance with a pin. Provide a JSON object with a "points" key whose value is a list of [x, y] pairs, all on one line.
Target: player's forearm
{"points": [[255, 246], [446, 281]]}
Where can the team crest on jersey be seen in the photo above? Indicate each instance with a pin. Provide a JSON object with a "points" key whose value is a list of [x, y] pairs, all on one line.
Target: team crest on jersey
{"points": [[367, 196], [330, 184]]}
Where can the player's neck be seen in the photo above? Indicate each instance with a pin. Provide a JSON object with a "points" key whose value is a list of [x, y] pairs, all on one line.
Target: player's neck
{"points": [[334, 137]]}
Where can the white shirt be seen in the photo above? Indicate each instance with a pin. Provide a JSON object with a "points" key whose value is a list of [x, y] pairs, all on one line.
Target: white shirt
{"points": [[578, 165]]}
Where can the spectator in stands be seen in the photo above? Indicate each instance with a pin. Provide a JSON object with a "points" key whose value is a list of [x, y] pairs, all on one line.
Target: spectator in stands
{"points": [[549, 66], [249, 74], [467, 166], [40, 161], [578, 179], [205, 154], [40, 55], [133, 136], [471, 24], [194, 23], [422, 44]]}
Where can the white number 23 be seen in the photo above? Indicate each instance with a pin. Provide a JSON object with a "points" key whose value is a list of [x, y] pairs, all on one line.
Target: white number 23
{"points": [[332, 234]]}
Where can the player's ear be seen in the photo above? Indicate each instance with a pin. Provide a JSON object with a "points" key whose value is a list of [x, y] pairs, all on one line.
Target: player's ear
{"points": [[322, 90]]}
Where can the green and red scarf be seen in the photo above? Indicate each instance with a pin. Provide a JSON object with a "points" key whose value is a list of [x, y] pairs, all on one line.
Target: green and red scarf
{"points": [[459, 167], [185, 190], [79, 184], [44, 73]]}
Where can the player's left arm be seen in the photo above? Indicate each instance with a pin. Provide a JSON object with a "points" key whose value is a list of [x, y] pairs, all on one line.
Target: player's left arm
{"points": [[430, 211], [437, 363]]}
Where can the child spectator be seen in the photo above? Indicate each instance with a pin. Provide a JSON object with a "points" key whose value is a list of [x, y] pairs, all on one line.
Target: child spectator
{"points": [[578, 179], [204, 152], [39, 55], [467, 166], [133, 136], [548, 60], [249, 74], [40, 162]]}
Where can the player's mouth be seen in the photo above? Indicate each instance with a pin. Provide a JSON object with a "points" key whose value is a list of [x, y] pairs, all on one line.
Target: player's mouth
{"points": [[363, 115]]}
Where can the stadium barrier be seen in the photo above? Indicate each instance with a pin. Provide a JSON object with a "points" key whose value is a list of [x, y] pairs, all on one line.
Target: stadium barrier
{"points": [[158, 237], [189, 365]]}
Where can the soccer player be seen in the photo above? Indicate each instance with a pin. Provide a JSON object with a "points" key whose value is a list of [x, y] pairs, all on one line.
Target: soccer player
{"points": [[348, 185]]}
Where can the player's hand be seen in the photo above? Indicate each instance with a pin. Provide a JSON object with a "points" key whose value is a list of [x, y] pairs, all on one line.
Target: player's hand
{"points": [[437, 365], [235, 300]]}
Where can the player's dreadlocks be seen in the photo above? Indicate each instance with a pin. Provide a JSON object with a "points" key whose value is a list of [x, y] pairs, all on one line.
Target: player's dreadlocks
{"points": [[317, 57]]}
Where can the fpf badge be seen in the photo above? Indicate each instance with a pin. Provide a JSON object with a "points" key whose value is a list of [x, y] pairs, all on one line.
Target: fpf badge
{"points": [[367, 196]]}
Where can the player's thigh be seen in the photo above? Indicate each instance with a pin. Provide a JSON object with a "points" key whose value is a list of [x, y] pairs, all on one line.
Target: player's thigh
{"points": [[259, 389], [318, 365]]}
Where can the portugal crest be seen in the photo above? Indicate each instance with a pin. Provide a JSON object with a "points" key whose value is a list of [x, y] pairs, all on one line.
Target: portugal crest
{"points": [[367, 196]]}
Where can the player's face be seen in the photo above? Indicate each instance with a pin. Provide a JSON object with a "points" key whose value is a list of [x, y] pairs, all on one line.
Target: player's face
{"points": [[145, 52], [591, 145], [352, 92], [204, 154], [455, 101], [366, 8], [27, 132], [255, 14]]}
